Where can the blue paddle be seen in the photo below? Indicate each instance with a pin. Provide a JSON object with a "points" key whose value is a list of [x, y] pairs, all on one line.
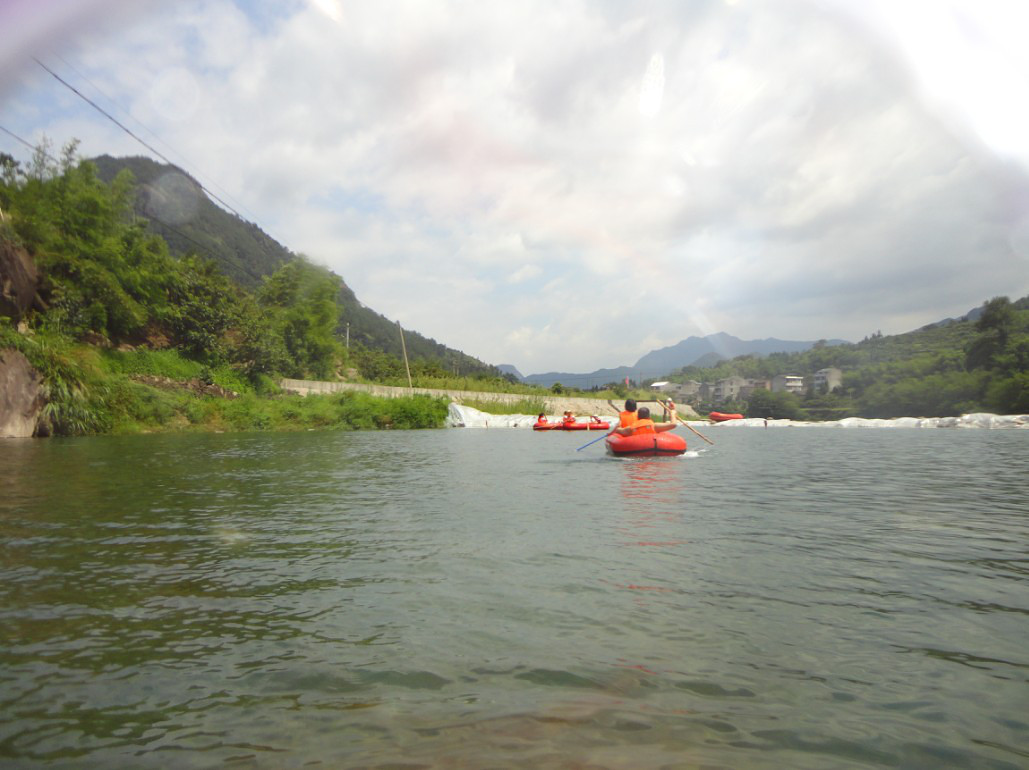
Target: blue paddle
{"points": [[594, 441]]}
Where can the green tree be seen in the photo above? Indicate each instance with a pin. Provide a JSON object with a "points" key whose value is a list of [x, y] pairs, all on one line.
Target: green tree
{"points": [[302, 299], [995, 327], [778, 406]]}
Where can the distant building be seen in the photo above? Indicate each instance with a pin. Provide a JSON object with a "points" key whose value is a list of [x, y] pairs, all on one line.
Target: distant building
{"points": [[729, 388], [788, 383], [689, 391], [682, 392], [827, 380], [753, 385]]}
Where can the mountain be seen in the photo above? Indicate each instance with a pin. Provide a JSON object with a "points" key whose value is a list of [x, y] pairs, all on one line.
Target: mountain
{"points": [[697, 351], [975, 313], [508, 369], [708, 360], [178, 209], [686, 352]]}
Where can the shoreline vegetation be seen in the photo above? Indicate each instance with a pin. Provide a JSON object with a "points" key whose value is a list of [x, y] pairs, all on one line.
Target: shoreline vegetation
{"points": [[115, 333]]}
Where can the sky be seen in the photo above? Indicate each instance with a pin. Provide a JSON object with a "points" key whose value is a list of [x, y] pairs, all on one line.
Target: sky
{"points": [[567, 185]]}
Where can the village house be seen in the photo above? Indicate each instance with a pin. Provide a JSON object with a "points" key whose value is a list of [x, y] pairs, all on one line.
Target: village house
{"points": [[689, 390], [827, 380], [753, 385], [729, 388], [788, 383], [681, 392], [741, 388]]}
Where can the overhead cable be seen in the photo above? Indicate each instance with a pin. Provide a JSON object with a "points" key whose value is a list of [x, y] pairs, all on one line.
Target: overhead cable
{"points": [[128, 131], [177, 231], [183, 162]]}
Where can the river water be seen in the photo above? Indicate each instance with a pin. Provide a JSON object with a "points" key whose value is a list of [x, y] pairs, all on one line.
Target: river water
{"points": [[811, 598]]}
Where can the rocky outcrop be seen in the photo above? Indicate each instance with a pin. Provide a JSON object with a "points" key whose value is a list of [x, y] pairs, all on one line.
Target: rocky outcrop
{"points": [[21, 396], [19, 280]]}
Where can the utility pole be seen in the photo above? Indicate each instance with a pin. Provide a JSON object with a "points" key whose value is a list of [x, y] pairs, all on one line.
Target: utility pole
{"points": [[404, 348], [348, 336]]}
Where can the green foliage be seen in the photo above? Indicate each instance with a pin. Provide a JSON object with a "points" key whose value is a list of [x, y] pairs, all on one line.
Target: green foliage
{"points": [[1003, 341], [73, 387], [935, 395], [492, 406], [301, 299], [364, 327], [246, 255], [204, 307], [1009, 395], [778, 406], [940, 370], [104, 275], [242, 251], [376, 365], [341, 411], [160, 363]]}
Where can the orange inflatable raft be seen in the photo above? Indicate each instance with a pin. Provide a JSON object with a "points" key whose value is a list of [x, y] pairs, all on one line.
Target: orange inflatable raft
{"points": [[722, 417], [646, 445]]}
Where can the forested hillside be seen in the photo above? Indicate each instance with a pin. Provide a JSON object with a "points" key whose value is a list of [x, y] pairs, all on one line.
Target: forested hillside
{"points": [[942, 369], [113, 316], [176, 208]]}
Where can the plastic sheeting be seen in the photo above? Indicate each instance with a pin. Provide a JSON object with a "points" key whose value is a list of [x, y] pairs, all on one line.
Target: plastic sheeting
{"points": [[987, 421], [465, 417]]}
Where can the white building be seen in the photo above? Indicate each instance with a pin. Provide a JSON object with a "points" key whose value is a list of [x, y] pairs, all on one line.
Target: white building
{"points": [[827, 380]]}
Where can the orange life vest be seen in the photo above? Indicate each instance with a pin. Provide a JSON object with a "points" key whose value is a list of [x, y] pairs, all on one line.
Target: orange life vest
{"points": [[643, 426], [626, 419]]}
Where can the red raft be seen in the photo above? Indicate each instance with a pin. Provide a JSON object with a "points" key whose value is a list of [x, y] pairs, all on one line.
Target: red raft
{"points": [[565, 425], [646, 445], [722, 417]]}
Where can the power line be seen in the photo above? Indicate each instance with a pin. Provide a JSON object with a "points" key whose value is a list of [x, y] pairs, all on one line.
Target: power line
{"points": [[39, 148], [27, 144], [183, 160], [127, 130]]}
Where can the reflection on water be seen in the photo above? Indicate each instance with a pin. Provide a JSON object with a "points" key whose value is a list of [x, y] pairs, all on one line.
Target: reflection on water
{"points": [[480, 599]]}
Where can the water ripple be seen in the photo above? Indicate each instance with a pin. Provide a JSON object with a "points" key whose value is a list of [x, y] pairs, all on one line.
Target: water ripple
{"points": [[806, 599]]}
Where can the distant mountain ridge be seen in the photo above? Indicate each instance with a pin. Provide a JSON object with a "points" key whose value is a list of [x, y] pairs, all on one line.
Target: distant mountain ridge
{"points": [[177, 209], [701, 351]]}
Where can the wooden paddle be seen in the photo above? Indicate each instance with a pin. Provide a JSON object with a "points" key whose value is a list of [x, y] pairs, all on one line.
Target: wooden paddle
{"points": [[677, 417]]}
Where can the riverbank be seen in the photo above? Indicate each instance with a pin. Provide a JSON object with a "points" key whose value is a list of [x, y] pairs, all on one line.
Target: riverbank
{"points": [[554, 405]]}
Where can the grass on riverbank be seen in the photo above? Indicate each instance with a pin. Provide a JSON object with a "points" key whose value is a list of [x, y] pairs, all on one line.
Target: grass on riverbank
{"points": [[94, 390], [146, 409], [138, 407], [531, 406], [90, 390]]}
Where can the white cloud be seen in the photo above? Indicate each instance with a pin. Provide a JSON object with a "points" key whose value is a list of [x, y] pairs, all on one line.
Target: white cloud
{"points": [[484, 173]]}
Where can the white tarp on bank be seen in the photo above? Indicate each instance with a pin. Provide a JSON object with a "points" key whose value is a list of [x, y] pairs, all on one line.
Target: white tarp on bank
{"points": [[980, 420], [465, 417]]}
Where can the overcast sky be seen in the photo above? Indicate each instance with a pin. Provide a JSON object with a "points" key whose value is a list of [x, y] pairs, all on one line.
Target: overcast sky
{"points": [[568, 185]]}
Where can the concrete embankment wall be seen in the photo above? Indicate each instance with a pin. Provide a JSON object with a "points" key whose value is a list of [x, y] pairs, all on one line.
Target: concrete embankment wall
{"points": [[555, 404]]}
